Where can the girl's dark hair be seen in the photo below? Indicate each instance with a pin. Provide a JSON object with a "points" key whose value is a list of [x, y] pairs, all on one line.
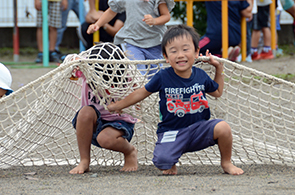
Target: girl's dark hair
{"points": [[107, 51], [178, 31]]}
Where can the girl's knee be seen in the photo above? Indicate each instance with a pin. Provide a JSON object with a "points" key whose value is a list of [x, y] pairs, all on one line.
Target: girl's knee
{"points": [[106, 139], [86, 115], [103, 141]]}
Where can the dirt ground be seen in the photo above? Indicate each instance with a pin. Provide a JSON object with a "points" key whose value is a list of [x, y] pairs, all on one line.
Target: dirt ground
{"points": [[258, 179]]}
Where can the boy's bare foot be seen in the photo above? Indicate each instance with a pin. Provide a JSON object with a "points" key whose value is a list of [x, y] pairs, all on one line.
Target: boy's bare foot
{"points": [[232, 169], [172, 171], [130, 161], [80, 169]]}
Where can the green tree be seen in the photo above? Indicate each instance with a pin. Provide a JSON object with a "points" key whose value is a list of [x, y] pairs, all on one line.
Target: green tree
{"points": [[199, 14]]}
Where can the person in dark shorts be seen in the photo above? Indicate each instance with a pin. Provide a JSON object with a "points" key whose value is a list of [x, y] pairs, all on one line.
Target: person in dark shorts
{"points": [[260, 23], [184, 110], [107, 33]]}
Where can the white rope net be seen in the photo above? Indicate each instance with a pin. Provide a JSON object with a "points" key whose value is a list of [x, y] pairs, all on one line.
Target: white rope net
{"points": [[36, 129]]}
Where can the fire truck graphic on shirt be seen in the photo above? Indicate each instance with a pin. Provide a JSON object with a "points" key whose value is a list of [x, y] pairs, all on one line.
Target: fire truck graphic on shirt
{"points": [[180, 106]]}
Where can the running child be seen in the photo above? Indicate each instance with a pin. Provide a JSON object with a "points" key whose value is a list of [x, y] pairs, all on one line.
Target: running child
{"points": [[143, 29]]}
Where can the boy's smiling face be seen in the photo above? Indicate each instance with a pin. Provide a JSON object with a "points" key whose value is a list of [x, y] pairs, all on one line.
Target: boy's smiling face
{"points": [[181, 55]]}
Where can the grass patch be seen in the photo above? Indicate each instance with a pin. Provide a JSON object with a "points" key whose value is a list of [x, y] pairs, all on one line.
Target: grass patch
{"points": [[288, 77], [288, 49], [32, 66]]}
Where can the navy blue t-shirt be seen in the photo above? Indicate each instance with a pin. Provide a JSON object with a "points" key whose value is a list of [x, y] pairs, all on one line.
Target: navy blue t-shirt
{"points": [[214, 30], [182, 101]]}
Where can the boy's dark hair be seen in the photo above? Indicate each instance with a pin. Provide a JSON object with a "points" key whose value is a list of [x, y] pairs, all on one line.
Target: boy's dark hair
{"points": [[178, 31]]}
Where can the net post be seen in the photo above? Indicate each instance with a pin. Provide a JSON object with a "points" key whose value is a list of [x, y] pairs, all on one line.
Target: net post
{"points": [[96, 34], [82, 20], [45, 33], [224, 20], [15, 34]]}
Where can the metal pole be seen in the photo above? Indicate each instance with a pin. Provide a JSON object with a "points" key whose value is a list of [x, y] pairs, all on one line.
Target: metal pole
{"points": [[15, 34], [244, 38], [224, 20], [45, 33], [82, 20], [96, 34], [189, 12], [273, 26]]}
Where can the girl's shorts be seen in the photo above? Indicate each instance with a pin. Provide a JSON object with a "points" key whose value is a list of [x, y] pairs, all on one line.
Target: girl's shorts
{"points": [[127, 128]]}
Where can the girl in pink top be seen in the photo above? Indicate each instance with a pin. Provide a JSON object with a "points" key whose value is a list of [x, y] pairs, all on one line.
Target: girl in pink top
{"points": [[97, 126]]}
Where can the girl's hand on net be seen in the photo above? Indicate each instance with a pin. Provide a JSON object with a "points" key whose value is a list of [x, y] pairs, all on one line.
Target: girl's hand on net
{"points": [[112, 107], [76, 73]]}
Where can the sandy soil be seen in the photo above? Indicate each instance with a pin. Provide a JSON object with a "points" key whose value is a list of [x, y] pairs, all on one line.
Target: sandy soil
{"points": [[258, 179]]}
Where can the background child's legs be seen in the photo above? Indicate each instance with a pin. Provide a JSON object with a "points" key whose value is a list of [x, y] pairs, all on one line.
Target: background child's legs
{"points": [[39, 39], [153, 53], [254, 44], [266, 36], [136, 53], [255, 38], [52, 38], [54, 22]]}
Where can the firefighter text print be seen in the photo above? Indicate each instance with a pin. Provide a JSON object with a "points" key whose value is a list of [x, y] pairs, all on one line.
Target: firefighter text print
{"points": [[180, 106]]}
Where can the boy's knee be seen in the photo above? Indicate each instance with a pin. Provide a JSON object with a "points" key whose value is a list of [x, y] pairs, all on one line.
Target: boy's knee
{"points": [[164, 162], [222, 129]]}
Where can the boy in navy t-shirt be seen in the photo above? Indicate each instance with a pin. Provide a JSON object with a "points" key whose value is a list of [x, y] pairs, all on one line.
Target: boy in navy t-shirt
{"points": [[185, 125]]}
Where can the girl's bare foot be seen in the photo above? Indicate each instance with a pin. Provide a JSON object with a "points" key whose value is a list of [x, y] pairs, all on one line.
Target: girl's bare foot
{"points": [[172, 171], [231, 169], [80, 169], [130, 161]]}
